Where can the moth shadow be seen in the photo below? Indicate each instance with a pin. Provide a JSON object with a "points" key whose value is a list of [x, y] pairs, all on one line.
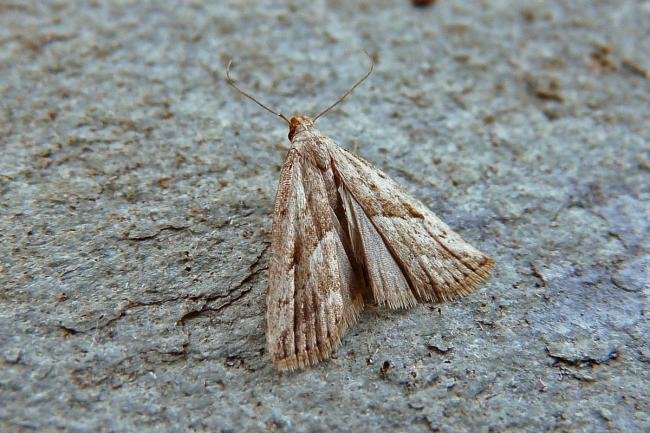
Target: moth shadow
{"points": [[375, 318]]}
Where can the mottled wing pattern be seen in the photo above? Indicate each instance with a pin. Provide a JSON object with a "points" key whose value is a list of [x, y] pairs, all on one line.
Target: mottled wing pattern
{"points": [[310, 302], [437, 263]]}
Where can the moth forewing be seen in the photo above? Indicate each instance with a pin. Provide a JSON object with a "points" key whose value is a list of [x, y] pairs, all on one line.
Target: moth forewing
{"points": [[438, 263], [312, 297]]}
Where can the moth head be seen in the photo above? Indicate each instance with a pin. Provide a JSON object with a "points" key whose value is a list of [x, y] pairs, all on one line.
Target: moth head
{"points": [[298, 123]]}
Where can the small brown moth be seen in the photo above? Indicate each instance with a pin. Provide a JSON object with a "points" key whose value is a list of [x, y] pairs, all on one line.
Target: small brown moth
{"points": [[345, 234]]}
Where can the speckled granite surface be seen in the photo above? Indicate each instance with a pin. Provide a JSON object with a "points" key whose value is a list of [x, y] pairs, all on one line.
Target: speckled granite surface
{"points": [[136, 195]]}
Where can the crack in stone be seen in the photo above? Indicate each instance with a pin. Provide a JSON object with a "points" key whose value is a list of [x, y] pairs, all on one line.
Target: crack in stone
{"points": [[197, 313], [145, 237], [207, 299]]}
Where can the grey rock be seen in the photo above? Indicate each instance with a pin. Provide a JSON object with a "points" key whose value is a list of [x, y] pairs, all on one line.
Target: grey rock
{"points": [[582, 350], [438, 345], [136, 191]]}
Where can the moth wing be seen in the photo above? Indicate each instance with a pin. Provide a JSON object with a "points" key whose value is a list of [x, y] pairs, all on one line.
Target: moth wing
{"points": [[438, 264], [314, 294], [383, 274]]}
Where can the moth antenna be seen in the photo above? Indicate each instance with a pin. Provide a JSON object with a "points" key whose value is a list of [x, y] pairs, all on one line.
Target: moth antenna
{"points": [[338, 101], [232, 83]]}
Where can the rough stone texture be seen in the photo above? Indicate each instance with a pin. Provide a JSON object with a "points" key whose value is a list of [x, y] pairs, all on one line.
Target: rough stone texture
{"points": [[136, 195]]}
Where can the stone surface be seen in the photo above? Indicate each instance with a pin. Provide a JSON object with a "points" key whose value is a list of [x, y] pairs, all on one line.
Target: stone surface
{"points": [[136, 194]]}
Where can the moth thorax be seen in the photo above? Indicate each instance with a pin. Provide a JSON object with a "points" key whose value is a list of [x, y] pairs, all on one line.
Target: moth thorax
{"points": [[298, 124]]}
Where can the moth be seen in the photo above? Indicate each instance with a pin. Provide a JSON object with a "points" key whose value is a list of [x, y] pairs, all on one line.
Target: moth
{"points": [[345, 235]]}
